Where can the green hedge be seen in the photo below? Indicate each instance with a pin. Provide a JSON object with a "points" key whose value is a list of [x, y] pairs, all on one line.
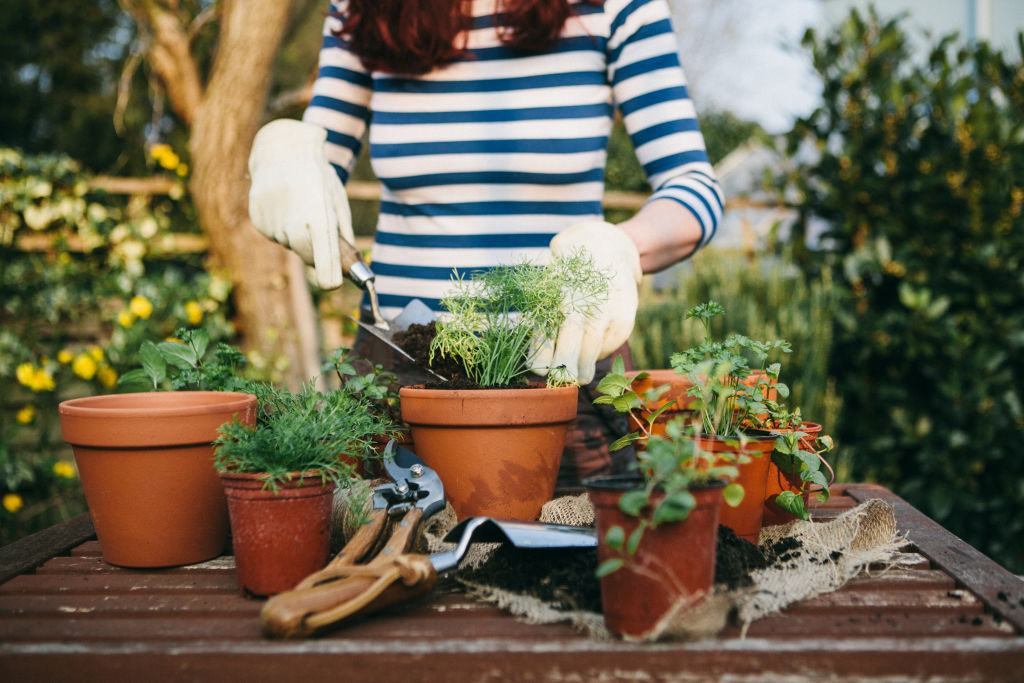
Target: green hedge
{"points": [[919, 176]]}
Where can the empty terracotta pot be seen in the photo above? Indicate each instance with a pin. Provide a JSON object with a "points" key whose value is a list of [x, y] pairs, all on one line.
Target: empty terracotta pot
{"points": [[674, 561], [146, 464], [497, 451], [746, 518], [278, 538]]}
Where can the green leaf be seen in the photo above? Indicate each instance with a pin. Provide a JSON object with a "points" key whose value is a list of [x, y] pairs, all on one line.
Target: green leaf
{"points": [[615, 538], [180, 356], [201, 341], [153, 363], [792, 503], [634, 540], [733, 494], [137, 376], [632, 502], [609, 566], [675, 507]]}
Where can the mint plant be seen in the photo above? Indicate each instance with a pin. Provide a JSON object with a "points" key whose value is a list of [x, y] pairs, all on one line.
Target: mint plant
{"points": [[188, 364]]}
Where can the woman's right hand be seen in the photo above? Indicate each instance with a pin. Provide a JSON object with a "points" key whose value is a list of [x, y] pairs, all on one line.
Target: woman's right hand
{"points": [[296, 197]]}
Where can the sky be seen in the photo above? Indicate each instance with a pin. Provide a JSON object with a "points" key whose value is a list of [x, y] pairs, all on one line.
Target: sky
{"points": [[744, 56]]}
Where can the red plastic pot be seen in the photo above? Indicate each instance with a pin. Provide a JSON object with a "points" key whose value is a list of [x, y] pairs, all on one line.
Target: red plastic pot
{"points": [[746, 518], [674, 561], [146, 464], [779, 481], [279, 537], [496, 450]]}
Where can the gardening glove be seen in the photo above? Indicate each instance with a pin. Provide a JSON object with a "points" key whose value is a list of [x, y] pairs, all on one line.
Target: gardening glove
{"points": [[296, 197], [580, 342]]}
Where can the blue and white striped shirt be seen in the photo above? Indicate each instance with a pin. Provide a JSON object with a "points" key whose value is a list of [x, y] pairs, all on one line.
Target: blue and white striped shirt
{"points": [[484, 160]]}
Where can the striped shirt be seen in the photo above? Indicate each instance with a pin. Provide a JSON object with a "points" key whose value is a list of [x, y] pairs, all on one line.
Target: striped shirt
{"points": [[484, 160]]}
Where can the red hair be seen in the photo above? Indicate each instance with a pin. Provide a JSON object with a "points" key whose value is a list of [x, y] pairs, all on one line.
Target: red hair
{"points": [[415, 36]]}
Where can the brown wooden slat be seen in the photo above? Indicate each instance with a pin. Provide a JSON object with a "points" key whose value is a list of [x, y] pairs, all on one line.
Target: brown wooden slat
{"points": [[890, 624], [95, 565], [157, 606], [861, 601], [1000, 590], [28, 584], [902, 579], [27, 553]]}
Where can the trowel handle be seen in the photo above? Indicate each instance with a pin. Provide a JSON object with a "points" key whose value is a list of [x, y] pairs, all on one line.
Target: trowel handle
{"points": [[352, 264]]}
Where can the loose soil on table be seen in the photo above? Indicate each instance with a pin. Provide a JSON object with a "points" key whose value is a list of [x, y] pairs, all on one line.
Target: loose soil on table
{"points": [[565, 578]]}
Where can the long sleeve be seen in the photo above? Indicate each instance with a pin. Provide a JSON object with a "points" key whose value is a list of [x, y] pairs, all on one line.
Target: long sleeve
{"points": [[650, 91]]}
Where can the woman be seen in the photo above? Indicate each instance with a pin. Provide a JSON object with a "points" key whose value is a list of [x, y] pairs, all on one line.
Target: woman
{"points": [[488, 125]]}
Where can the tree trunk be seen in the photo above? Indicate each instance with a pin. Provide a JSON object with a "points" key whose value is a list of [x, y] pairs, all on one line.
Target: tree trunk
{"points": [[275, 310]]}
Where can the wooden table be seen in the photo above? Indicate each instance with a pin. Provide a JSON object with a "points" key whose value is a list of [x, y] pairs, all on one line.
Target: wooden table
{"points": [[951, 614]]}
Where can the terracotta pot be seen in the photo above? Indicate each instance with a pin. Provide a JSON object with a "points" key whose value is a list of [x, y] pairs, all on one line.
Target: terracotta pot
{"points": [[279, 538], [746, 518], [497, 451], [674, 561], [779, 481], [678, 386], [146, 464]]}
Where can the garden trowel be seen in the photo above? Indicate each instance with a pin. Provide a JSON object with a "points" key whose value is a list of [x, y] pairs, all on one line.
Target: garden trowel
{"points": [[415, 312]]}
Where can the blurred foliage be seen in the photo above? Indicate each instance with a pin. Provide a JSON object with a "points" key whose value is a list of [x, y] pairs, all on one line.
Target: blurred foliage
{"points": [[86, 277], [918, 171], [764, 298]]}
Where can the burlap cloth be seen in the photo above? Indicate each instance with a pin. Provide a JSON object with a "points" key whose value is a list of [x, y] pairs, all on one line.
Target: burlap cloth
{"points": [[825, 556]]}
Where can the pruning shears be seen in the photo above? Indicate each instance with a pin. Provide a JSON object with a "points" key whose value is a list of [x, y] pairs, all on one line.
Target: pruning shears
{"points": [[365, 577]]}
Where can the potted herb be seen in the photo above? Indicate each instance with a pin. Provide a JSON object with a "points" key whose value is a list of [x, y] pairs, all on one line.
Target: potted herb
{"points": [[729, 395], [495, 440], [657, 528], [279, 476], [798, 468], [140, 455]]}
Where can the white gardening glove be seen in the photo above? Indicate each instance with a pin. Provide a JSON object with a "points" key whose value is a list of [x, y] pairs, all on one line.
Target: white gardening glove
{"points": [[582, 342], [297, 199]]}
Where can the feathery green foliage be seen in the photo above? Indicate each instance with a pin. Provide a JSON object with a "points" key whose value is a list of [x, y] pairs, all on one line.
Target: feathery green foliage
{"points": [[498, 317]]}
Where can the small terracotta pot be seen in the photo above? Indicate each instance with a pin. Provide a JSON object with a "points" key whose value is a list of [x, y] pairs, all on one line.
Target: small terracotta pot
{"points": [[497, 451], [674, 561], [779, 481], [146, 464], [746, 518], [279, 538]]}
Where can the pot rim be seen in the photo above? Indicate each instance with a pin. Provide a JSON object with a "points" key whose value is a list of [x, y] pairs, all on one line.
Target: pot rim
{"points": [[154, 403], [421, 390]]}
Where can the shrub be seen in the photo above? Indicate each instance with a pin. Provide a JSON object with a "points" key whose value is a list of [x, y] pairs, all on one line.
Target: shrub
{"points": [[919, 176]]}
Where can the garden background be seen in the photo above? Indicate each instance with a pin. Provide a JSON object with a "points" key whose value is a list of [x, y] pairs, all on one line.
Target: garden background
{"points": [[897, 278]]}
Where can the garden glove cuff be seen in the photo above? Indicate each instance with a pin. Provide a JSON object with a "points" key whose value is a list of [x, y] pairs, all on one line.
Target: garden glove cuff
{"points": [[296, 197], [581, 342]]}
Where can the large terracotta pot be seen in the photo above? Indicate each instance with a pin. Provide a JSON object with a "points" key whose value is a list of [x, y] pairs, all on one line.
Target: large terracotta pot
{"points": [[497, 451], [679, 385], [279, 537], [146, 464], [674, 561], [746, 518]]}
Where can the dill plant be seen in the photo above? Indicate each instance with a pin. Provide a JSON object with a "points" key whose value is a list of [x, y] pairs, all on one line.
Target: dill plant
{"points": [[304, 432], [499, 318]]}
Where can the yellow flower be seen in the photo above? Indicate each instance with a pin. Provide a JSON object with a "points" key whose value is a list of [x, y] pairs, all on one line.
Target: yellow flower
{"points": [[107, 376], [41, 380], [64, 356], [158, 151], [25, 373], [64, 258], [13, 502], [182, 170], [84, 366], [26, 414], [194, 312], [64, 469], [96, 353], [140, 306], [125, 318]]}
